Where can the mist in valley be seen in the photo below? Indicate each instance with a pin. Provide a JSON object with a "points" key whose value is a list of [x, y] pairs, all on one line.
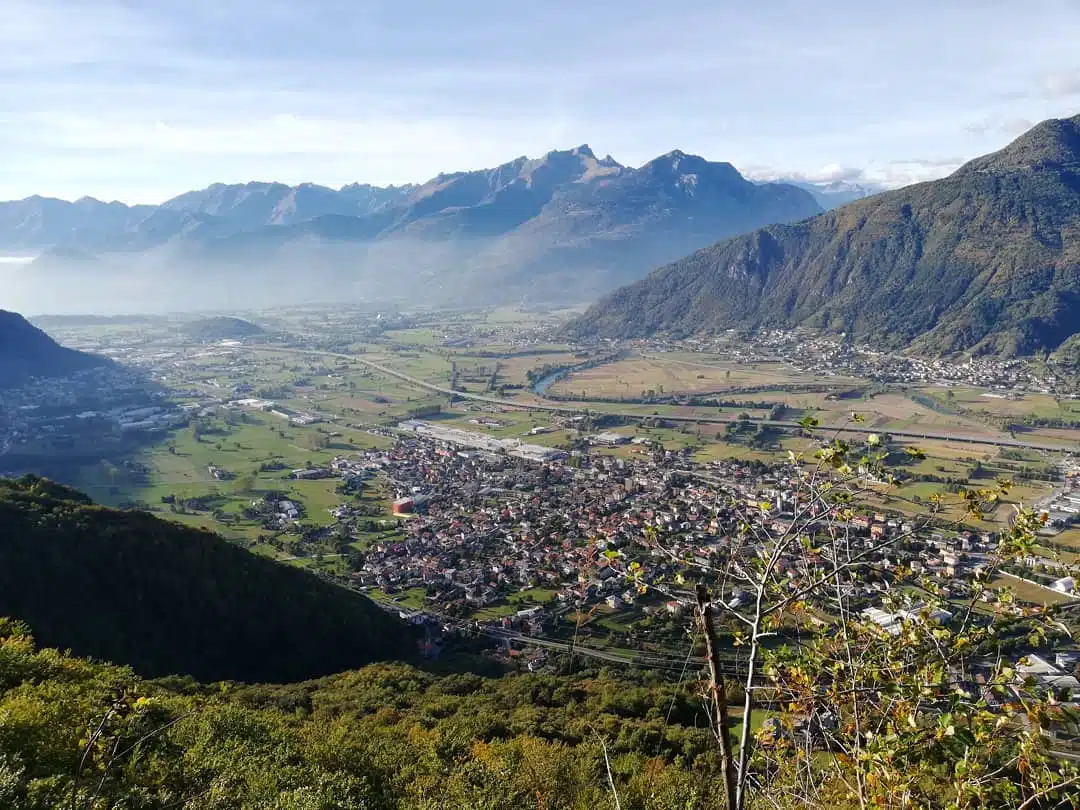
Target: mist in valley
{"points": [[457, 273], [158, 284]]}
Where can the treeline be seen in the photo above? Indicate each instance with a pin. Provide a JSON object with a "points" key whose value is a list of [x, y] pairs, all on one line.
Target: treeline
{"points": [[424, 411], [658, 397], [1031, 420], [168, 599], [674, 399], [932, 403]]}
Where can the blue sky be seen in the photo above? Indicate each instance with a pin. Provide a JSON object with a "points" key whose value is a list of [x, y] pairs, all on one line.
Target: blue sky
{"points": [[140, 100]]}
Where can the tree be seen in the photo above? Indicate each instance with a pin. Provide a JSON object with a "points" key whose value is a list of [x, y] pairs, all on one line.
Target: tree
{"points": [[912, 715], [246, 483], [317, 441]]}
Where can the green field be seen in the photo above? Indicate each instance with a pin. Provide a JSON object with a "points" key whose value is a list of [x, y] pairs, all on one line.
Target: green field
{"points": [[179, 470], [1069, 537], [530, 597], [995, 404], [1030, 593], [674, 373]]}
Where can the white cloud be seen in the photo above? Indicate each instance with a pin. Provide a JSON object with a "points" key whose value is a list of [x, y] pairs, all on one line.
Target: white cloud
{"points": [[893, 174], [995, 125], [899, 173], [1062, 85], [832, 173]]}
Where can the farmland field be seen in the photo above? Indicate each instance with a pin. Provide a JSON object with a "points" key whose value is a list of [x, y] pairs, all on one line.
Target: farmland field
{"points": [[997, 403], [179, 472], [1029, 592], [673, 374]]}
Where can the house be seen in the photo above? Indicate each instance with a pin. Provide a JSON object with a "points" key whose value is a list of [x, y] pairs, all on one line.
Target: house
{"points": [[311, 474], [1048, 677], [219, 474], [609, 439], [1064, 585]]}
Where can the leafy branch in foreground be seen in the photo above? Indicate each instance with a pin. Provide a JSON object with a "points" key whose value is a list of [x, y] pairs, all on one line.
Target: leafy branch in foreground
{"points": [[920, 709]]}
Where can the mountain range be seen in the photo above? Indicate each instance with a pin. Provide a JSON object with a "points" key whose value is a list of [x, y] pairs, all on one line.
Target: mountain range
{"points": [[26, 351], [986, 261], [564, 227]]}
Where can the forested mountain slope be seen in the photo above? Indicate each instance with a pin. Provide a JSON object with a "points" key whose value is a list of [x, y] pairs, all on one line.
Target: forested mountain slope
{"points": [[386, 737], [166, 599], [986, 260]]}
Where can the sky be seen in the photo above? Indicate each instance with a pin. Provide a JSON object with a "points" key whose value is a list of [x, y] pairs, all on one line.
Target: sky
{"points": [[139, 100]]}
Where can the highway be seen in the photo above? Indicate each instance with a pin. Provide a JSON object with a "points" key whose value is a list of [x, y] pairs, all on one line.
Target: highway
{"points": [[719, 420]]}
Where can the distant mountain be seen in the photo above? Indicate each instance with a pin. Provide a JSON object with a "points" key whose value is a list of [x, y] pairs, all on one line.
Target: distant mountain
{"points": [[41, 222], [563, 227], [26, 352], [593, 236], [59, 227], [986, 260], [221, 328], [493, 202], [253, 205], [835, 193], [163, 598], [464, 206]]}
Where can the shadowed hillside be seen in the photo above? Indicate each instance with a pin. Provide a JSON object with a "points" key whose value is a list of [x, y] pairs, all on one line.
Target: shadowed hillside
{"points": [[131, 588], [26, 351]]}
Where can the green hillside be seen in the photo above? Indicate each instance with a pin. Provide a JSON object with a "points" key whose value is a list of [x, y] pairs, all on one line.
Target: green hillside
{"points": [[986, 260], [77, 734], [221, 328], [166, 599]]}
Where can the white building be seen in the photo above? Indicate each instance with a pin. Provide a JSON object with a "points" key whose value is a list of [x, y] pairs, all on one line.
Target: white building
{"points": [[1048, 676], [1065, 585]]}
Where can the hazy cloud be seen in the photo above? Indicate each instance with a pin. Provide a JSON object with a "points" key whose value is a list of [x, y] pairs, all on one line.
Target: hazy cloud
{"points": [[929, 163], [832, 173], [898, 174], [1010, 127], [1062, 85]]}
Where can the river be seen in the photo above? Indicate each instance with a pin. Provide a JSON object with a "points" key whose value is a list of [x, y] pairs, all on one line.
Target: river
{"points": [[541, 386]]}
